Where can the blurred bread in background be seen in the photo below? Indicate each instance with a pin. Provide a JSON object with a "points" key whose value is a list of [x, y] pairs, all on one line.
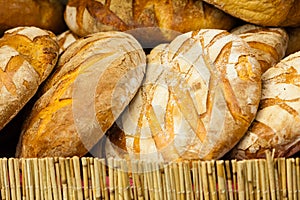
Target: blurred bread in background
{"points": [[45, 14]]}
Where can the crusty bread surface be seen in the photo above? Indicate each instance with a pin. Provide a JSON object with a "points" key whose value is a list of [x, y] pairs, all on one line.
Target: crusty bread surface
{"points": [[199, 96], [95, 79], [276, 126], [27, 57]]}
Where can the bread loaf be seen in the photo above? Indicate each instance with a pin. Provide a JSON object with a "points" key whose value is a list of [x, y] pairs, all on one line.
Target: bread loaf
{"points": [[276, 126], [269, 44], [95, 79], [264, 13], [198, 98], [27, 56], [144, 19], [45, 14]]}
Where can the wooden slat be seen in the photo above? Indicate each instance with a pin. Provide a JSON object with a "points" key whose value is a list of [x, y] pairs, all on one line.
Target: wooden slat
{"points": [[95, 178], [221, 176]]}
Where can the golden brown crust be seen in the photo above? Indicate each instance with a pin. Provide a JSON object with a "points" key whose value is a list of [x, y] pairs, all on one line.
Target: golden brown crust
{"points": [[276, 126], [95, 79], [198, 98], [264, 13], [165, 19], [45, 14], [27, 56]]}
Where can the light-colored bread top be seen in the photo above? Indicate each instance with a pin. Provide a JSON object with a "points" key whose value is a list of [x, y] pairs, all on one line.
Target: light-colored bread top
{"points": [[151, 22], [277, 124], [199, 96], [95, 79], [27, 56], [269, 44], [265, 13]]}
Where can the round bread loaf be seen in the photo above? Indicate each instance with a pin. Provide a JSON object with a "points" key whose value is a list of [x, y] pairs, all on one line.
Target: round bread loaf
{"points": [[265, 13], [268, 44], [45, 14], [277, 124], [94, 81], [27, 56], [199, 96], [151, 22]]}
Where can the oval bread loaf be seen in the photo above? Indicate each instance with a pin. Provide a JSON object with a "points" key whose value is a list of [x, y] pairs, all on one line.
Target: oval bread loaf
{"points": [[144, 19], [27, 56], [95, 79], [268, 44], [277, 124], [199, 96], [264, 13]]}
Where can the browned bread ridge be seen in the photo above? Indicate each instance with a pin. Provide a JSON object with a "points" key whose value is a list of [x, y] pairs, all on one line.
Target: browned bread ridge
{"points": [[27, 56], [95, 79], [150, 22], [199, 96], [45, 14], [264, 13], [277, 124], [268, 44]]}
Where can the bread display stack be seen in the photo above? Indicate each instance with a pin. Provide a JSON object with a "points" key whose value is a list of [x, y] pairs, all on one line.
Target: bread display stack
{"points": [[151, 80]]}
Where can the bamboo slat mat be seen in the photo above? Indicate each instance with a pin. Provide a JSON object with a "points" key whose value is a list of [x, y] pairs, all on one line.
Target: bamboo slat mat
{"points": [[94, 178]]}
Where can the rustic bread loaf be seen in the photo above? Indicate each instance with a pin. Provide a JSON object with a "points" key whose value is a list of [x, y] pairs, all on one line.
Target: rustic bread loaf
{"points": [[27, 56], [199, 96], [277, 124], [269, 44], [45, 14], [95, 79], [265, 13], [144, 19]]}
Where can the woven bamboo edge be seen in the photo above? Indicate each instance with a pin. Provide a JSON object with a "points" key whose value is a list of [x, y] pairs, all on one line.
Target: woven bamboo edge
{"points": [[94, 178]]}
